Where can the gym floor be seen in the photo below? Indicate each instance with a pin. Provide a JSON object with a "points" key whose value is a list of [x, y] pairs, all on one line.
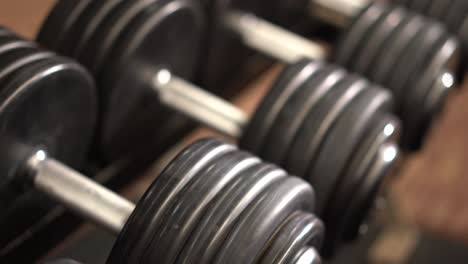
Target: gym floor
{"points": [[429, 190]]}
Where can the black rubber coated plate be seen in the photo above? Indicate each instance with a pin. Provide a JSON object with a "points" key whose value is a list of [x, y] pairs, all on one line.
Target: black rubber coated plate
{"points": [[457, 13], [409, 60], [318, 123], [49, 104], [379, 37], [439, 8], [77, 29], [17, 58], [362, 203], [396, 44], [193, 202], [287, 83], [160, 36], [95, 14], [91, 48], [356, 33], [110, 30], [139, 230], [419, 5], [384, 129], [344, 138], [226, 210], [262, 219], [291, 117], [445, 57], [298, 231], [59, 22]]}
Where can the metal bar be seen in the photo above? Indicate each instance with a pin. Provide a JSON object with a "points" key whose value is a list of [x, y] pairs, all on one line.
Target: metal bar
{"points": [[199, 104], [272, 40], [79, 193]]}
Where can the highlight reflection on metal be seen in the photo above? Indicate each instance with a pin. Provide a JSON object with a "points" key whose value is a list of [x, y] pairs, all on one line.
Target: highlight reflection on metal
{"points": [[79, 193]]}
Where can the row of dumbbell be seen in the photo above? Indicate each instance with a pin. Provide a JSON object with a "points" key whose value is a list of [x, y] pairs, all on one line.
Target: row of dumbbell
{"points": [[318, 79], [49, 108], [314, 118], [414, 57]]}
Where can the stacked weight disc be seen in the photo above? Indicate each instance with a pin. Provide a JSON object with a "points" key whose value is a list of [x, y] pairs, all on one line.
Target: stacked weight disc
{"points": [[214, 204], [406, 53], [453, 13], [313, 122], [45, 100], [116, 41]]}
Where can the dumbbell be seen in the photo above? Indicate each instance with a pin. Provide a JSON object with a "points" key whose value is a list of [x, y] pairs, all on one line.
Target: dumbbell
{"points": [[452, 13], [405, 52], [412, 56], [211, 203], [420, 79], [311, 111], [97, 39]]}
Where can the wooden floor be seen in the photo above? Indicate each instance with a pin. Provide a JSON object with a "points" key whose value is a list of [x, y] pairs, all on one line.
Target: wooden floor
{"points": [[432, 188]]}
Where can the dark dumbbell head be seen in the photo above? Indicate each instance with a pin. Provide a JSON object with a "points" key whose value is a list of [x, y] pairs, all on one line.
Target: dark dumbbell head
{"points": [[313, 122], [123, 43], [211, 202], [412, 56], [46, 101], [453, 13], [214, 202]]}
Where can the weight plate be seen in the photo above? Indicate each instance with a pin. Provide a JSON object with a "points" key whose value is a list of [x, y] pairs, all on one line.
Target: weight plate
{"points": [[17, 58], [419, 5], [193, 202], [429, 42], [97, 12], [79, 26], [456, 15], [8, 42], [225, 212], [263, 218], [384, 129], [292, 77], [409, 60], [291, 117], [372, 47], [48, 104], [318, 123], [139, 230], [91, 47], [439, 8], [299, 231], [401, 36], [445, 57], [343, 139], [109, 31], [362, 202], [355, 34], [129, 101], [59, 22]]}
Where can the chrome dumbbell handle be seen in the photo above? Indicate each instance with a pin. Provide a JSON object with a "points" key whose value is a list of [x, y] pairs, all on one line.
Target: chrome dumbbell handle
{"points": [[79, 193]]}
